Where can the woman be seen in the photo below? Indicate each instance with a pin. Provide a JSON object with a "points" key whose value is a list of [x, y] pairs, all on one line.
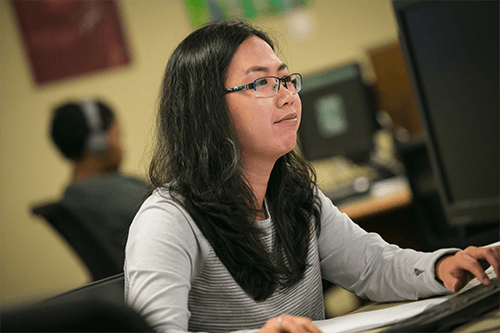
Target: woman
{"points": [[237, 235]]}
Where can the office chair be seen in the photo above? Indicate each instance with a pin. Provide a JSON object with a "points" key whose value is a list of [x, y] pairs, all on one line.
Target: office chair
{"points": [[95, 307], [87, 244], [426, 206]]}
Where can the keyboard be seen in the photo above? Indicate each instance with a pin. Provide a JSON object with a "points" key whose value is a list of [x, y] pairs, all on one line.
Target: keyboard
{"points": [[454, 312], [349, 190]]}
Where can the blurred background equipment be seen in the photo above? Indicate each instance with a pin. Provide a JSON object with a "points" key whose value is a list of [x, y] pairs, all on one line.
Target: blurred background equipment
{"points": [[338, 126], [454, 70]]}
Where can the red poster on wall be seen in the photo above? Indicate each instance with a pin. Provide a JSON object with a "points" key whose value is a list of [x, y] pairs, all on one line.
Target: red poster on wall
{"points": [[66, 38]]}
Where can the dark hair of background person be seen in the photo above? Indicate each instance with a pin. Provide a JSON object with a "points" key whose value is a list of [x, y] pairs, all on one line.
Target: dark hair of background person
{"points": [[197, 155], [70, 129]]}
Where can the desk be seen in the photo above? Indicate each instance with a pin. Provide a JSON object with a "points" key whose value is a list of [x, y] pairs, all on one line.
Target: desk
{"points": [[376, 204], [386, 210]]}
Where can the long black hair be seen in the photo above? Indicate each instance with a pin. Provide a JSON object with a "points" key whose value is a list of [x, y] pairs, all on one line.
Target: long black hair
{"points": [[197, 156]]}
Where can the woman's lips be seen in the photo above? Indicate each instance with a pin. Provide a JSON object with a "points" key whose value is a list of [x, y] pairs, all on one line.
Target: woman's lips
{"points": [[290, 116]]}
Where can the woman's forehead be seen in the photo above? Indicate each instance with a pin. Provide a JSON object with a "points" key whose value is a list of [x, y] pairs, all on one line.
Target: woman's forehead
{"points": [[255, 55]]}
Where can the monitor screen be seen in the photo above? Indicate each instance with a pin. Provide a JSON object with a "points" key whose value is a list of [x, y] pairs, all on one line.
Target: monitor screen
{"points": [[451, 50], [338, 115]]}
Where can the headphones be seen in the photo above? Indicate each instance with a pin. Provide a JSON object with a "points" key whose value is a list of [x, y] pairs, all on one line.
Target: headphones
{"points": [[97, 140]]}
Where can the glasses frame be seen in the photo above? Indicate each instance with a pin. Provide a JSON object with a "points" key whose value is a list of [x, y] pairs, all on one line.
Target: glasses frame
{"points": [[253, 85]]}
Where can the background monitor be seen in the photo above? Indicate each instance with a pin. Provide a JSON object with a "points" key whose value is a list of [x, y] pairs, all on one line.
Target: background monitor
{"points": [[338, 115], [451, 50]]}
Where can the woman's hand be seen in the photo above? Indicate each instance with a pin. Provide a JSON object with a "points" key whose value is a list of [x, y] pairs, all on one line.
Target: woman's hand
{"points": [[456, 270], [291, 324]]}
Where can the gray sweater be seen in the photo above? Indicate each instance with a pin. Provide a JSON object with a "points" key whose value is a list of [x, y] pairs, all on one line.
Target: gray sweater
{"points": [[174, 279]]}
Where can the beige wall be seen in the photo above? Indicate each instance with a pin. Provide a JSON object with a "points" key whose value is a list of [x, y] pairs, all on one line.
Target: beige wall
{"points": [[35, 262]]}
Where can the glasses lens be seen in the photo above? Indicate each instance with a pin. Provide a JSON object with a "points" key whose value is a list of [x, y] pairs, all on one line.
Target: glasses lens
{"points": [[266, 86], [269, 86], [294, 83]]}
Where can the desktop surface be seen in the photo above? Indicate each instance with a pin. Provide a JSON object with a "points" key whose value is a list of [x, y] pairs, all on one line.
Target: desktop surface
{"points": [[383, 196]]}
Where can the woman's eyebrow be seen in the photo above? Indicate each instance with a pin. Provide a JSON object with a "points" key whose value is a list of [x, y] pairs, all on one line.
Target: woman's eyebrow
{"points": [[264, 69]]}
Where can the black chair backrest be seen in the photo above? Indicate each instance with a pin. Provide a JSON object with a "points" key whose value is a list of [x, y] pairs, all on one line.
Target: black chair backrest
{"points": [[110, 289], [95, 307], [92, 315], [87, 244]]}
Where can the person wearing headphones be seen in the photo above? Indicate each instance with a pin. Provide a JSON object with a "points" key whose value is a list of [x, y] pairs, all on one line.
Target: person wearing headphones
{"points": [[87, 134]]}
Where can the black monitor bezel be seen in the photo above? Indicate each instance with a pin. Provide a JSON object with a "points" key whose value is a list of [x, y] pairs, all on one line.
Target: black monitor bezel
{"points": [[458, 213]]}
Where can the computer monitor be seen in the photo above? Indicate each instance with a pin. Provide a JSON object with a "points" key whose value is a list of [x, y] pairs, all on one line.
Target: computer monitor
{"points": [[338, 115], [451, 50]]}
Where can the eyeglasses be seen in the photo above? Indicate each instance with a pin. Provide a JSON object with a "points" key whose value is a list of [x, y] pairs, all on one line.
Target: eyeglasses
{"points": [[268, 86]]}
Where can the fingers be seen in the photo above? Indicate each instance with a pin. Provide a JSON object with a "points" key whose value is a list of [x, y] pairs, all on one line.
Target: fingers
{"points": [[291, 324], [457, 270], [467, 261], [298, 325], [455, 285], [492, 256], [482, 258]]}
